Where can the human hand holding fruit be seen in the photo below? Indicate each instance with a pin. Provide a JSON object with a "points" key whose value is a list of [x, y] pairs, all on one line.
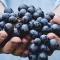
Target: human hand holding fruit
{"points": [[24, 33]]}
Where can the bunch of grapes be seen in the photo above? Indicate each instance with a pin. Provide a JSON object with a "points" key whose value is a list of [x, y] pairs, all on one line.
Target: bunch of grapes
{"points": [[31, 25]]}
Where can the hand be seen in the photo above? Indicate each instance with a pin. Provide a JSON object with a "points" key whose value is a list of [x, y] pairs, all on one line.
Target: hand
{"points": [[13, 46], [55, 20]]}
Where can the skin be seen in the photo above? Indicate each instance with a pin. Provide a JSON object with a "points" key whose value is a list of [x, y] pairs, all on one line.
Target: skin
{"points": [[13, 46]]}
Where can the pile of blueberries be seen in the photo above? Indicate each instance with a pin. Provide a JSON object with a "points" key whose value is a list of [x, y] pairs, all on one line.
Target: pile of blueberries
{"points": [[32, 22]]}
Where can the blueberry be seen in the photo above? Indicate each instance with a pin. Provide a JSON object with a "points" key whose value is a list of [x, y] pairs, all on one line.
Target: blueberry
{"points": [[51, 14], [31, 24], [5, 17], [8, 10], [34, 33], [28, 14], [13, 14], [37, 26], [55, 27], [37, 41], [42, 56], [24, 29], [12, 19], [25, 19], [38, 19], [16, 32], [46, 29], [41, 13], [2, 23], [33, 48], [31, 9], [0, 18], [8, 27], [22, 6], [0, 29], [50, 24], [44, 21], [18, 26], [53, 44], [44, 38], [21, 13], [47, 17], [43, 48], [36, 15], [38, 9], [32, 57]]}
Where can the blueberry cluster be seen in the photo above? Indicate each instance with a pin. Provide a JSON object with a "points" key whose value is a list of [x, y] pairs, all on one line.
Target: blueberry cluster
{"points": [[34, 25]]}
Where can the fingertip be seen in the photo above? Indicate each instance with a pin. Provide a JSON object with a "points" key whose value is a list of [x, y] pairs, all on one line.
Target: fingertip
{"points": [[50, 35], [15, 40]]}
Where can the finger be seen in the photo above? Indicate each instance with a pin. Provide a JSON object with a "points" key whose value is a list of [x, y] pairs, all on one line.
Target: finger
{"points": [[11, 45], [19, 51], [52, 36], [3, 36], [56, 19]]}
